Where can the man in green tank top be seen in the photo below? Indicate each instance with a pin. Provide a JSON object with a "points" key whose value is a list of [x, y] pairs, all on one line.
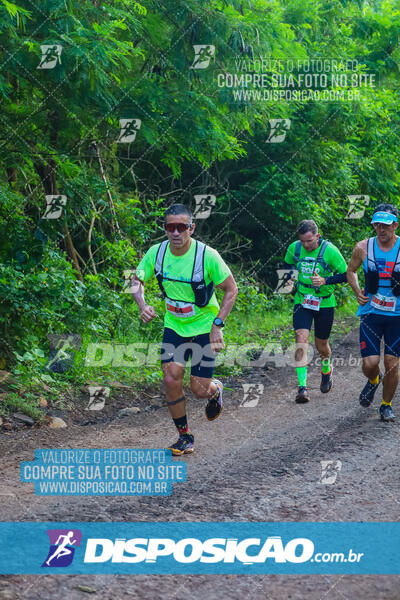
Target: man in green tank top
{"points": [[320, 266], [187, 272]]}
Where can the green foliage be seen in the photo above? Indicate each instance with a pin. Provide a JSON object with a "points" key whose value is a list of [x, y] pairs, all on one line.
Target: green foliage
{"points": [[127, 59], [27, 405]]}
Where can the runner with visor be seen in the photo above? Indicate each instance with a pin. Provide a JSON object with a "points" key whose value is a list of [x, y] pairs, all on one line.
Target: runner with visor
{"points": [[379, 306]]}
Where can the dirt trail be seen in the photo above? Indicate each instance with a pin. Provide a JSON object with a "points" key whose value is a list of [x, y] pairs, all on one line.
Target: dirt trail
{"points": [[251, 464]]}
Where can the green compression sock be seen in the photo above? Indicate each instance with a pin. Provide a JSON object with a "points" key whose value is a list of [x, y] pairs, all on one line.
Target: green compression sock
{"points": [[302, 376], [326, 365]]}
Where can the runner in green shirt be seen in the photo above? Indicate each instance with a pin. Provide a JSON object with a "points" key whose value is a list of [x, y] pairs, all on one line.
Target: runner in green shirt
{"points": [[320, 266], [187, 272]]}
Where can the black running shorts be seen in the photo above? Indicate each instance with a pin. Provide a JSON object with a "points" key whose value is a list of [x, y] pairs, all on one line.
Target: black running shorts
{"points": [[176, 348], [323, 320]]}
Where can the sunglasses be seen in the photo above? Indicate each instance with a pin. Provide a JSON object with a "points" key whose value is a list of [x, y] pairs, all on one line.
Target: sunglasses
{"points": [[181, 227]]}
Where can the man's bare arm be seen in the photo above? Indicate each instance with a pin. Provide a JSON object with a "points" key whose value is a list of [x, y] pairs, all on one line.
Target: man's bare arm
{"points": [[231, 291], [147, 312], [357, 258]]}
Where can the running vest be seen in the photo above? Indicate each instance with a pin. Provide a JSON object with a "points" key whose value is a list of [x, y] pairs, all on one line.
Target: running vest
{"points": [[373, 281], [202, 292], [381, 280], [319, 259]]}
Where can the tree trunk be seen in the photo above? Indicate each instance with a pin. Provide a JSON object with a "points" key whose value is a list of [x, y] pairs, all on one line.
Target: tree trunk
{"points": [[12, 176], [47, 173], [114, 219]]}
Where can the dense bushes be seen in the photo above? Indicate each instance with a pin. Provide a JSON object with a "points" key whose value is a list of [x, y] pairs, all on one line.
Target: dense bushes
{"points": [[134, 60]]}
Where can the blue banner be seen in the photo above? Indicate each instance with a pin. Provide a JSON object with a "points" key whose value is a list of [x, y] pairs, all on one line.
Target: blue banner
{"points": [[200, 548]]}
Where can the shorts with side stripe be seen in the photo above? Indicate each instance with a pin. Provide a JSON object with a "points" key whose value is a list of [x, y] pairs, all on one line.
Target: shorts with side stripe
{"points": [[372, 328]]}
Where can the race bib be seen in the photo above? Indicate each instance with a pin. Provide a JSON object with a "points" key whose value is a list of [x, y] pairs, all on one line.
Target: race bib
{"points": [[386, 303], [180, 309], [312, 302]]}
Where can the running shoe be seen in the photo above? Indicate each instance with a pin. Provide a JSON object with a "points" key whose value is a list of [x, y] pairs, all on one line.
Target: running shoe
{"points": [[368, 392], [184, 445], [302, 395], [326, 381], [386, 413], [214, 405]]}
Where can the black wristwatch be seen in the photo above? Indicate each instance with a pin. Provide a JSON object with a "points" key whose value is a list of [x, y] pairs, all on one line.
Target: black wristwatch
{"points": [[218, 322]]}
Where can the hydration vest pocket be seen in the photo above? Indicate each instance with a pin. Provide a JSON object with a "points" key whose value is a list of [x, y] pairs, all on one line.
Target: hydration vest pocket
{"points": [[202, 292], [372, 282]]}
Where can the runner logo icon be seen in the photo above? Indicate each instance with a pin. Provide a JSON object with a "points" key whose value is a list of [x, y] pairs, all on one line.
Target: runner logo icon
{"points": [[62, 547], [329, 471]]}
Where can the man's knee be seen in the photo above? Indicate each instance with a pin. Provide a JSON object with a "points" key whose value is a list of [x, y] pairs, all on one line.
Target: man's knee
{"points": [[302, 337], [370, 364], [391, 365], [172, 377]]}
